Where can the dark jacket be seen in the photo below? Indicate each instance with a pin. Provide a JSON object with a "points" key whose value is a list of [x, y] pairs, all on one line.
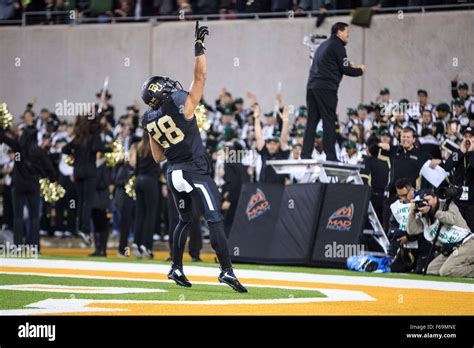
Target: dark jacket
{"points": [[104, 179], [31, 161], [329, 64], [461, 167], [147, 166], [404, 164], [85, 156], [120, 176], [376, 173]]}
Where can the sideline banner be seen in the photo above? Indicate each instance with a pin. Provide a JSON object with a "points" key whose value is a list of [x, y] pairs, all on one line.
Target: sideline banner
{"points": [[340, 225], [254, 222], [304, 224]]}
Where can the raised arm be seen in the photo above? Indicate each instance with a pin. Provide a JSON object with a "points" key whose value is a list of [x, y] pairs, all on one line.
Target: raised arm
{"points": [[196, 89], [285, 129], [258, 127]]}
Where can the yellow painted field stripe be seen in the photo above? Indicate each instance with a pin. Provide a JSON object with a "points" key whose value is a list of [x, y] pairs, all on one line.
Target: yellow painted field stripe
{"points": [[390, 301], [158, 255]]}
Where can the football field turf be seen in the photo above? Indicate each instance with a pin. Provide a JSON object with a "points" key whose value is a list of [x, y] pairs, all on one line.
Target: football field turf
{"points": [[79, 285]]}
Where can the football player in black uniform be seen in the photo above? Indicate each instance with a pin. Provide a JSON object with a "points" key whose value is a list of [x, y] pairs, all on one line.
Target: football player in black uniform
{"points": [[174, 136]]}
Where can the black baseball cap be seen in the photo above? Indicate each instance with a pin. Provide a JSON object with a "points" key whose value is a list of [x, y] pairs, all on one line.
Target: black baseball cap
{"points": [[352, 112], [426, 192], [469, 130], [458, 101], [423, 92], [443, 107]]}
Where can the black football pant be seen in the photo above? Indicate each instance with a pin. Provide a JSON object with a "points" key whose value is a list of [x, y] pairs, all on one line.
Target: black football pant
{"points": [[185, 188], [321, 104], [195, 234]]}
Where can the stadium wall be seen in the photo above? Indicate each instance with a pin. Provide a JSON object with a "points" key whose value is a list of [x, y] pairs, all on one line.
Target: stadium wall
{"points": [[70, 62]]}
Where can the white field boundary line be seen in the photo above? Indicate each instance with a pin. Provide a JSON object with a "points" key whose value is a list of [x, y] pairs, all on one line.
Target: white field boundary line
{"points": [[78, 289], [161, 281], [243, 274], [58, 306]]}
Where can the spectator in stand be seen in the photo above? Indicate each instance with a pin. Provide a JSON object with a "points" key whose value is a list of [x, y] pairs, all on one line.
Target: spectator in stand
{"points": [[124, 9], [375, 174], [144, 8], [408, 252], [244, 6], [184, 7], [454, 131], [428, 143], [272, 149], [461, 90], [455, 240], [318, 152], [461, 165], [31, 164], [423, 101], [147, 172], [323, 6], [64, 211], [349, 153], [235, 175], [9, 9], [101, 203], [443, 113], [8, 162], [85, 145], [106, 109], [460, 113], [405, 161], [427, 119]]}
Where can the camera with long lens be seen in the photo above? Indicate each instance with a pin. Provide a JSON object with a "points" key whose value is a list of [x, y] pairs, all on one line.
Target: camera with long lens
{"points": [[419, 203], [449, 192]]}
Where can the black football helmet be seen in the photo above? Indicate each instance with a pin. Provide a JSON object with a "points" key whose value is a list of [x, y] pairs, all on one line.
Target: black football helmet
{"points": [[157, 89]]}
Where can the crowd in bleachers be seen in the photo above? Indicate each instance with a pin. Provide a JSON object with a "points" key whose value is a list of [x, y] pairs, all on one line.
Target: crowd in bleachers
{"points": [[106, 9]]}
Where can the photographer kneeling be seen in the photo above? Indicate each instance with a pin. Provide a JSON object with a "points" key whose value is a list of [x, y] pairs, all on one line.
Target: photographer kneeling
{"points": [[441, 223]]}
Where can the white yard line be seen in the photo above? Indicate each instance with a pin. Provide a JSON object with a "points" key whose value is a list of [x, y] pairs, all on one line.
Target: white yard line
{"points": [[79, 289], [44, 274], [57, 306], [242, 274]]}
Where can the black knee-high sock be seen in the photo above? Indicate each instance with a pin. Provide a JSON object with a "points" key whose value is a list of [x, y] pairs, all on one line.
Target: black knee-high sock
{"points": [[219, 244], [180, 235]]}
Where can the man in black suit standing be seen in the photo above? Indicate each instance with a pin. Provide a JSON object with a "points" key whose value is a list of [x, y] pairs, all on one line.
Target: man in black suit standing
{"points": [[329, 64]]}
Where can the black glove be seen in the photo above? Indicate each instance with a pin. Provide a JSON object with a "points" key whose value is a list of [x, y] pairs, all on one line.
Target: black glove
{"points": [[200, 33]]}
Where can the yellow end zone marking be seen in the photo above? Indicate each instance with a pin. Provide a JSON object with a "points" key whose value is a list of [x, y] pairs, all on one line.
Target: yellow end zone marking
{"points": [[390, 301], [158, 255]]}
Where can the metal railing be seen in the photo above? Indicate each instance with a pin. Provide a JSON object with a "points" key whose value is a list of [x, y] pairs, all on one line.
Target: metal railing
{"points": [[64, 17]]}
